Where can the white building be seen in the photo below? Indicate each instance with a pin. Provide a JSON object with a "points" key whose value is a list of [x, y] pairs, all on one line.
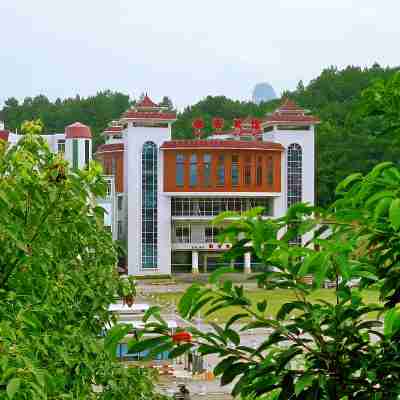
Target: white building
{"points": [[168, 191], [164, 193]]}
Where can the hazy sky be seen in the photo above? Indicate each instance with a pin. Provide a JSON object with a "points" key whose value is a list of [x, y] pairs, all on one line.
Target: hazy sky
{"points": [[186, 49]]}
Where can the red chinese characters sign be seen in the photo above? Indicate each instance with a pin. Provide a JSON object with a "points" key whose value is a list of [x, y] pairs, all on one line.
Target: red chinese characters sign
{"points": [[218, 123]]}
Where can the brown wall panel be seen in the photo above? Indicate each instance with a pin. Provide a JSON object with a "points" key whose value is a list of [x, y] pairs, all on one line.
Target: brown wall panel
{"points": [[170, 171], [106, 160]]}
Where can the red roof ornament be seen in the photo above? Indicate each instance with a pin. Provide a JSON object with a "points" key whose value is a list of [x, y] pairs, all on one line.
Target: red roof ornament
{"points": [[255, 124], [237, 123], [147, 102], [218, 123]]}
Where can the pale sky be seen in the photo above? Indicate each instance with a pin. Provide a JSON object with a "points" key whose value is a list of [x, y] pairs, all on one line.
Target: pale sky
{"points": [[186, 49]]}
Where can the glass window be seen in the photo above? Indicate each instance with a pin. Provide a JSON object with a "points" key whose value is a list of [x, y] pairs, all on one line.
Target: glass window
{"points": [[113, 166], [182, 234], [207, 169], [270, 170], [294, 179], [294, 168], [247, 171], [120, 202], [75, 153], [259, 171], [235, 170], [149, 205], [180, 168], [119, 232], [221, 171], [61, 146], [193, 170], [87, 152], [210, 234], [213, 206]]}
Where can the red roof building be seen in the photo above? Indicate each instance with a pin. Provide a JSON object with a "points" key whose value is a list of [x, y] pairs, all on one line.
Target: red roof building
{"points": [[78, 131]]}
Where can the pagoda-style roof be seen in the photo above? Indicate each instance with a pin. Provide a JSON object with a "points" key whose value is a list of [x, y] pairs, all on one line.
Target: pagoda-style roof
{"points": [[147, 110], [290, 113]]}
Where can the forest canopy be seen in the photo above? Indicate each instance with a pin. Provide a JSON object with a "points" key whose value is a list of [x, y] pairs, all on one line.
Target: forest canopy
{"points": [[347, 140]]}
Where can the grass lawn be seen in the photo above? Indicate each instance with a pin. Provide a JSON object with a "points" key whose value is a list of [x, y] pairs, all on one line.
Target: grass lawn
{"points": [[275, 298]]}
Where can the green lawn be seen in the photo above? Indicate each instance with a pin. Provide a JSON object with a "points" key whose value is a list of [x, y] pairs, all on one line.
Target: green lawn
{"points": [[275, 299]]}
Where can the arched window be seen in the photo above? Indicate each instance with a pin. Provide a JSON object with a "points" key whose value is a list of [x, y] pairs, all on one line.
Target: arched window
{"points": [[193, 170], [149, 205], [294, 171]]}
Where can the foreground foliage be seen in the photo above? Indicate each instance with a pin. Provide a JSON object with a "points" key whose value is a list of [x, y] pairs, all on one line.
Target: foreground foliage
{"points": [[312, 349], [57, 279]]}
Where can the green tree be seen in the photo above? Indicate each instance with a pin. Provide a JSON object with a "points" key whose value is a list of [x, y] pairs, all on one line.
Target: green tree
{"points": [[57, 280], [314, 349]]}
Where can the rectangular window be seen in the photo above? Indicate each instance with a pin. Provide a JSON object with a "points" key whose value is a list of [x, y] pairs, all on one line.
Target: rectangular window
{"points": [[109, 188], [235, 170], [182, 234], [87, 152], [210, 234], [193, 170], [247, 171], [221, 171], [75, 154], [119, 232], [113, 166], [120, 203], [259, 171], [207, 169], [180, 161], [61, 146], [270, 171]]}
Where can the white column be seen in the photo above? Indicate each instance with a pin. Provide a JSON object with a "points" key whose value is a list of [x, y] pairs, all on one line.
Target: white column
{"points": [[247, 263], [195, 262]]}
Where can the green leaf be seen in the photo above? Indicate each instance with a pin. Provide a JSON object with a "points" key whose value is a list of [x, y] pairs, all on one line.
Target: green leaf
{"points": [[232, 336], [214, 277], [343, 185], [321, 271], [391, 322], [262, 306], [178, 351], [13, 387], [150, 312], [146, 344], [311, 260], [187, 300], [235, 318], [394, 214], [232, 372], [224, 364], [304, 382], [382, 207], [114, 336]]}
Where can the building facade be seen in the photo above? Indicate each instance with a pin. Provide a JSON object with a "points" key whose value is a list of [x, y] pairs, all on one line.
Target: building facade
{"points": [[163, 194], [167, 192]]}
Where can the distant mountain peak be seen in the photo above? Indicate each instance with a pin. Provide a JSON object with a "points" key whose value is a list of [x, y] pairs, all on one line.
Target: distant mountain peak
{"points": [[263, 91]]}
